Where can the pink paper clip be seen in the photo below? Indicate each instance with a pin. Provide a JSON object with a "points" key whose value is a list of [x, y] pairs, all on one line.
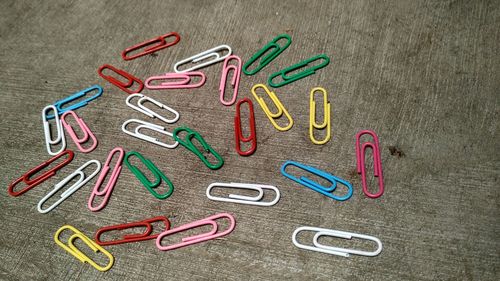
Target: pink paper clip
{"points": [[179, 84], [235, 82], [377, 163], [212, 234], [87, 133], [159, 43], [106, 192], [124, 86]]}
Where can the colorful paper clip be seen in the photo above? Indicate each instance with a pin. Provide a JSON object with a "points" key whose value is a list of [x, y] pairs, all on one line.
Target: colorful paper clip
{"points": [[317, 247], [60, 103], [159, 44], [312, 117], [188, 143], [263, 61], [243, 199], [143, 109], [124, 86], [316, 186], [235, 82], [297, 76], [272, 116], [149, 126], [128, 238], [187, 78], [108, 189], [212, 53], [377, 163], [238, 133], [73, 250], [212, 234], [82, 180], [150, 186], [31, 183], [46, 130], [87, 133]]}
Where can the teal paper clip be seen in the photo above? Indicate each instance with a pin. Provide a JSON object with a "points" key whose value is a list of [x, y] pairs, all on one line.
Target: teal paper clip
{"points": [[188, 143], [60, 103], [265, 60], [292, 78]]}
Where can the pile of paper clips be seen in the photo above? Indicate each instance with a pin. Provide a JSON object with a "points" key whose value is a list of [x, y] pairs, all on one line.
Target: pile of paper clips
{"points": [[185, 76]]}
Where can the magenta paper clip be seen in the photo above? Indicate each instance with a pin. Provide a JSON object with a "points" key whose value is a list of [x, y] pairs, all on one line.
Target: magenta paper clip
{"points": [[377, 163], [186, 241], [106, 192], [235, 82], [87, 133], [161, 82]]}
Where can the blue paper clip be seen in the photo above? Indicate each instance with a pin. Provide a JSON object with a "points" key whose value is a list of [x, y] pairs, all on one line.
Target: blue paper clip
{"points": [[59, 104], [316, 186]]}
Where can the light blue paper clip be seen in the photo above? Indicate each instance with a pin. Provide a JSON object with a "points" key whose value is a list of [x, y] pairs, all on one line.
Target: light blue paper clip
{"points": [[59, 104]]}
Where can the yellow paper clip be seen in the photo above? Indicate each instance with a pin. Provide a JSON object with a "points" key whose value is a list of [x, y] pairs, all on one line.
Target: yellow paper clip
{"points": [[312, 116], [277, 103], [72, 249]]}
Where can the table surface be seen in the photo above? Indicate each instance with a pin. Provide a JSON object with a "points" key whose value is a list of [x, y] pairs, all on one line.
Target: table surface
{"points": [[424, 75]]}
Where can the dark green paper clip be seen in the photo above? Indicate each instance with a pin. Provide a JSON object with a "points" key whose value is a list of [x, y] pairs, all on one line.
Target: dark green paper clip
{"points": [[156, 172], [289, 79], [276, 50], [188, 143]]}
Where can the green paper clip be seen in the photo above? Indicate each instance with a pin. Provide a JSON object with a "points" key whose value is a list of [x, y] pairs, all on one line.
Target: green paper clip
{"points": [[156, 172], [276, 50], [188, 143], [289, 79]]}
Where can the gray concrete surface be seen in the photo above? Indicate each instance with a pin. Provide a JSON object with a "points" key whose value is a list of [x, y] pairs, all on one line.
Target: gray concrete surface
{"points": [[423, 74]]}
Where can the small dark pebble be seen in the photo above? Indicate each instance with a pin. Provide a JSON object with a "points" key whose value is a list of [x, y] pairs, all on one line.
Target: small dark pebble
{"points": [[396, 151], [154, 54]]}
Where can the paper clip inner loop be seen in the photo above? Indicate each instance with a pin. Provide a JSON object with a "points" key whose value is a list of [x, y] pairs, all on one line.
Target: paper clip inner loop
{"points": [[377, 163], [326, 116], [272, 116], [235, 82], [186, 77], [124, 86], [187, 142], [212, 53], [287, 79], [265, 60], [127, 238], [238, 133], [49, 141], [158, 43], [243, 199]]}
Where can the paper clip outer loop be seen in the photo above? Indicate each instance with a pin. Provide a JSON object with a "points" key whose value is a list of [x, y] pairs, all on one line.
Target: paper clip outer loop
{"points": [[204, 55], [241, 199], [46, 131], [377, 163], [60, 103], [235, 82], [212, 234], [269, 57], [154, 170], [31, 183], [108, 189], [312, 117], [128, 238], [87, 133], [161, 44], [238, 133], [71, 248], [272, 116], [289, 79], [182, 84], [123, 86], [150, 126], [187, 143]]}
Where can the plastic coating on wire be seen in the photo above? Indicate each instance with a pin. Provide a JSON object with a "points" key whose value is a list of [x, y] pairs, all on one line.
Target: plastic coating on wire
{"points": [[128, 238], [150, 46], [238, 133], [198, 60], [243, 199], [161, 82], [272, 116], [326, 117], [87, 133], [124, 86], [235, 82], [187, 142], [275, 48], [377, 163], [49, 141], [287, 78]]}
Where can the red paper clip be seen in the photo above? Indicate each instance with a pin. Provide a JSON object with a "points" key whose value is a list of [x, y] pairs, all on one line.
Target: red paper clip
{"points": [[146, 235], [159, 42], [238, 134], [124, 86], [26, 178], [186, 77], [235, 82], [377, 163]]}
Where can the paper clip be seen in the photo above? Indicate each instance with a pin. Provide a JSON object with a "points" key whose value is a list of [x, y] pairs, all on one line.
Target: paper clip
{"points": [[212, 53], [60, 103], [212, 234], [82, 180], [31, 183], [277, 103], [317, 247], [127, 238], [186, 77], [159, 43], [124, 86], [312, 116], [242, 199], [87, 133], [238, 134], [297, 76], [377, 163], [143, 109], [150, 126], [154, 170], [73, 250], [316, 186], [276, 50], [188, 143], [46, 130], [235, 82], [108, 189]]}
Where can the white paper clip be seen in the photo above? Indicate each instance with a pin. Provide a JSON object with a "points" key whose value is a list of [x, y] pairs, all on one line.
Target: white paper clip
{"points": [[143, 109], [334, 250], [242, 199], [145, 125], [77, 185], [46, 130], [202, 56]]}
